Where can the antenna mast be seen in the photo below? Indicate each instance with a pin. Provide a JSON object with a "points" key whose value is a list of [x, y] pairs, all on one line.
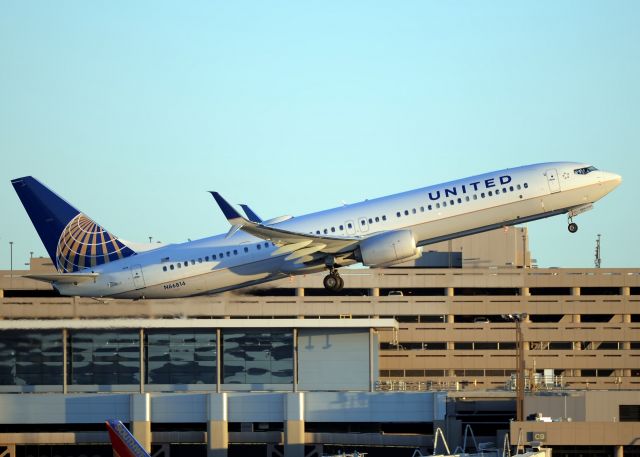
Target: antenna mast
{"points": [[598, 260]]}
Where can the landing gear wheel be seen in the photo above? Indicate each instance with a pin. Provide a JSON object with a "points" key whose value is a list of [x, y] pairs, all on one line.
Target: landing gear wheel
{"points": [[573, 227], [333, 282]]}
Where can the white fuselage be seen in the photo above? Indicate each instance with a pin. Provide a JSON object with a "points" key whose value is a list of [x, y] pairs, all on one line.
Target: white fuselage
{"points": [[433, 214]]}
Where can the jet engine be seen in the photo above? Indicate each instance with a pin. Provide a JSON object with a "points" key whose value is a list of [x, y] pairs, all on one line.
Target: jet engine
{"points": [[388, 248]]}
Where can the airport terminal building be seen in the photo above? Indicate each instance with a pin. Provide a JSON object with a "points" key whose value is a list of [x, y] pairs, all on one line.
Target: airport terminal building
{"points": [[286, 369]]}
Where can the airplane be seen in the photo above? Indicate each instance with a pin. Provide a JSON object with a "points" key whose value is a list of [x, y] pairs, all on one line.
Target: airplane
{"points": [[123, 442], [380, 232]]}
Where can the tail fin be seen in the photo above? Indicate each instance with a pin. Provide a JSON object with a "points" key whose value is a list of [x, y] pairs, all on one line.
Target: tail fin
{"points": [[123, 442], [72, 239]]}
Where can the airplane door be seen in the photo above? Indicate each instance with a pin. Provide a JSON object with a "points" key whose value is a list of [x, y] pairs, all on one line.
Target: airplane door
{"points": [[552, 179], [362, 223], [138, 278]]}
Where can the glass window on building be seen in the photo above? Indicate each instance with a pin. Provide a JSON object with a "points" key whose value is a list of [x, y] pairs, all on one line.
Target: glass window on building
{"points": [[30, 358], [180, 356], [257, 357], [104, 358]]}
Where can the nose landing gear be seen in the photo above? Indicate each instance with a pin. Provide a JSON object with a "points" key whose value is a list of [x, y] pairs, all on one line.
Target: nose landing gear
{"points": [[572, 227]]}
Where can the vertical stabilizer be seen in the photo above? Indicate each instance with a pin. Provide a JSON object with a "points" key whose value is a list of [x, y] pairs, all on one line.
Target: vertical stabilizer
{"points": [[72, 239], [123, 442]]}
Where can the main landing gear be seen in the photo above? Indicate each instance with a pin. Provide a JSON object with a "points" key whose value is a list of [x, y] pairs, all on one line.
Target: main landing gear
{"points": [[333, 282], [572, 227]]}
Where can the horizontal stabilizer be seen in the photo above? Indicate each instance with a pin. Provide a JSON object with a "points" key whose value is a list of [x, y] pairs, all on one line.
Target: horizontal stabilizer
{"points": [[64, 278]]}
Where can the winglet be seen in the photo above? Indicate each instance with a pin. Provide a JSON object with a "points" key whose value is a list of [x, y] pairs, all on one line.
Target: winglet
{"points": [[253, 217], [233, 216]]}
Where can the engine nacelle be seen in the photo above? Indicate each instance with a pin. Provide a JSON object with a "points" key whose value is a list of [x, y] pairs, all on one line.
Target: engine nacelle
{"points": [[388, 248]]}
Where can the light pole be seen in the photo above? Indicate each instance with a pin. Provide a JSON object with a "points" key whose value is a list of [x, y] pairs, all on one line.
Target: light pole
{"points": [[520, 365], [11, 262]]}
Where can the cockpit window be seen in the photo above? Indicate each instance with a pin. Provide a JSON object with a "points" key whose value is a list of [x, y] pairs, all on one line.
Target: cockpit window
{"points": [[585, 170]]}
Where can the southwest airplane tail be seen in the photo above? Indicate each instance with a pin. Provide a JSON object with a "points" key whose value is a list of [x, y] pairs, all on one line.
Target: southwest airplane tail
{"points": [[123, 442], [72, 239]]}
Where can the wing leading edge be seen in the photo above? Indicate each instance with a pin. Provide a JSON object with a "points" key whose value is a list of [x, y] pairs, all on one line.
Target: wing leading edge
{"points": [[286, 240]]}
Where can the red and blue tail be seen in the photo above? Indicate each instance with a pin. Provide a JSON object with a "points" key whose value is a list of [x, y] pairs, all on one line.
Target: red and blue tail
{"points": [[74, 241], [123, 442]]}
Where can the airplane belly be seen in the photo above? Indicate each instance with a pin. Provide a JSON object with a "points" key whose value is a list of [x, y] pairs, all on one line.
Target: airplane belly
{"points": [[211, 282]]}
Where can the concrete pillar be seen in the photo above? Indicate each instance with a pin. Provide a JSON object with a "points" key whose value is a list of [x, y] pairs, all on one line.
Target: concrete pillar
{"points": [[1, 293], [619, 451], [294, 425], [525, 292], [374, 292], [575, 291], [576, 318], [449, 292], [217, 425], [625, 290], [140, 405], [299, 291]]}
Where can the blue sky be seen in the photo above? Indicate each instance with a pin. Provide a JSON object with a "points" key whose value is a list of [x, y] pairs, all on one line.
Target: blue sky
{"points": [[133, 110]]}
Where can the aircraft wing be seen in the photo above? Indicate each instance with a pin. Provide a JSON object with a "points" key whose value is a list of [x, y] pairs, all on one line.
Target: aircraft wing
{"points": [[288, 241], [64, 278]]}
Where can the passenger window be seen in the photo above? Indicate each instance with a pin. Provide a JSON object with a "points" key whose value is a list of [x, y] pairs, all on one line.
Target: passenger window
{"points": [[349, 225], [444, 204], [259, 246], [341, 227], [511, 188], [193, 261], [171, 267], [519, 187], [526, 185], [317, 232], [235, 252], [199, 259], [422, 209], [413, 211], [504, 190], [213, 257], [246, 249], [384, 218], [362, 222], [475, 197], [451, 202], [482, 195], [333, 229], [164, 268], [370, 221], [430, 207], [497, 191], [490, 193], [406, 212], [266, 245], [459, 200], [228, 253], [206, 258], [377, 219], [325, 231], [398, 214], [186, 263], [179, 266], [437, 205], [466, 198], [221, 255]]}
